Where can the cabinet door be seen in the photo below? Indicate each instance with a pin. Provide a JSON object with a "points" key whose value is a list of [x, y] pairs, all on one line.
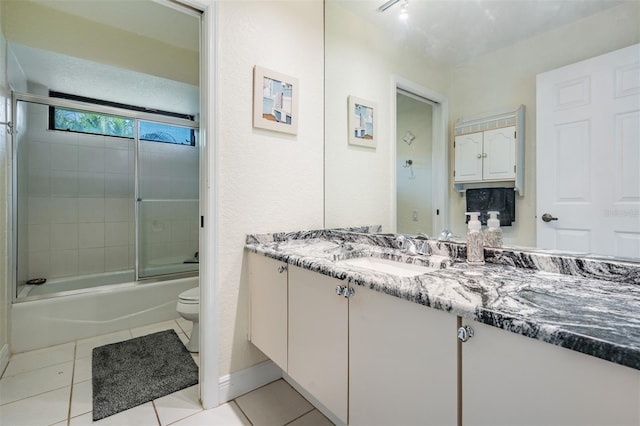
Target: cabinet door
{"points": [[499, 154], [468, 157], [318, 338], [402, 362], [268, 287], [509, 379]]}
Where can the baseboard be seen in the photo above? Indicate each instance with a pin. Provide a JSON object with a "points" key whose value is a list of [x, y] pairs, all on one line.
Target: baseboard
{"points": [[235, 384], [4, 358], [302, 391]]}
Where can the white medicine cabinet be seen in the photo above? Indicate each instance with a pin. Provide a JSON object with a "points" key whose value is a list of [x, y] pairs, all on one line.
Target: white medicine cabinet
{"points": [[490, 149]]}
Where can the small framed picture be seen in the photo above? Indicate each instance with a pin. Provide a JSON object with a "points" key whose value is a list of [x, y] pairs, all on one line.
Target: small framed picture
{"points": [[362, 122], [275, 101]]}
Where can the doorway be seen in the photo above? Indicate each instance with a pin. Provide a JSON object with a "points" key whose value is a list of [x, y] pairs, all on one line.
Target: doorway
{"points": [[420, 159]]}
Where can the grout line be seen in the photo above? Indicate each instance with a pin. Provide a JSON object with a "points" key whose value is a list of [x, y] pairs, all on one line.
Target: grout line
{"points": [[155, 410], [241, 410], [73, 374], [300, 416]]}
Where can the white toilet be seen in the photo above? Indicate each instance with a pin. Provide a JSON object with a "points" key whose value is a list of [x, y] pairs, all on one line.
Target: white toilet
{"points": [[188, 307]]}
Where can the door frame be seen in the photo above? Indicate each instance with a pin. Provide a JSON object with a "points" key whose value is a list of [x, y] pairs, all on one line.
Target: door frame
{"points": [[439, 151]]}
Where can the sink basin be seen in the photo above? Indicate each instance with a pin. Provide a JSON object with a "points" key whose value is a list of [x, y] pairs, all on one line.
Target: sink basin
{"points": [[388, 266]]}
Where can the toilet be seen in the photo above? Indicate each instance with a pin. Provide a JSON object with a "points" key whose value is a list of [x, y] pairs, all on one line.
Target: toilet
{"points": [[188, 307]]}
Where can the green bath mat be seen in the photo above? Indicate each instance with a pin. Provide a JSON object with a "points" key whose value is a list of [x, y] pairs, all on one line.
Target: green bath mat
{"points": [[130, 373]]}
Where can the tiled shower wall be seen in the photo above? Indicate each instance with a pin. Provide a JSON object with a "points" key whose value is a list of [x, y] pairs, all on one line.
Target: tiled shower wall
{"points": [[79, 195]]}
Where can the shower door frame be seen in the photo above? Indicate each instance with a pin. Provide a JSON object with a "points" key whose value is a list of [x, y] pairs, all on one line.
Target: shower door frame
{"points": [[13, 176]]}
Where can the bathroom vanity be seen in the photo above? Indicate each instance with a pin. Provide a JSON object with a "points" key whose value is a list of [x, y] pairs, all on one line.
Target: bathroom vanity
{"points": [[386, 330]]}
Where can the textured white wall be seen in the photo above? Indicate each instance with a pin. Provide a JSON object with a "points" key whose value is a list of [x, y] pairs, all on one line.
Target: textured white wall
{"points": [[268, 181], [507, 78], [360, 61]]}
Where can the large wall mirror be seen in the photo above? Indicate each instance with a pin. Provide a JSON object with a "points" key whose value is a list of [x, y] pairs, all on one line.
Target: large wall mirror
{"points": [[451, 60]]}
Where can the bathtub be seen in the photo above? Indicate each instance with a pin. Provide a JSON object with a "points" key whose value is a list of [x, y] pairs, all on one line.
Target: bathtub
{"points": [[41, 323]]}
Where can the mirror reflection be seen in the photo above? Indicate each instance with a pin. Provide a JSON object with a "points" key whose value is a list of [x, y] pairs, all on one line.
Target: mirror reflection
{"points": [[466, 68]]}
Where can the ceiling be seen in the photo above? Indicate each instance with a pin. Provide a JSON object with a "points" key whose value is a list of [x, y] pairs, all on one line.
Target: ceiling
{"points": [[77, 76], [150, 18], [455, 31], [158, 20]]}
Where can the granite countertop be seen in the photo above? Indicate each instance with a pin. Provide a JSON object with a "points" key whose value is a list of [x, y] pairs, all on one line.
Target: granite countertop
{"points": [[590, 306]]}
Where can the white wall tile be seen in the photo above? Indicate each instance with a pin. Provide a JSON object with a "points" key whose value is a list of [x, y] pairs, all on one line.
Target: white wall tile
{"points": [[59, 137], [116, 258], [64, 263], [39, 156], [38, 210], [91, 235], [39, 238], [118, 143], [117, 209], [90, 210], [39, 183], [91, 260], [116, 185], [116, 161], [90, 159], [116, 234], [64, 183], [95, 141], [64, 210], [39, 264], [64, 157], [90, 184], [180, 230], [64, 236]]}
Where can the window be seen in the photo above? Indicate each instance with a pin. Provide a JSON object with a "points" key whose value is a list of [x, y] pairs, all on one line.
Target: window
{"points": [[111, 125]]}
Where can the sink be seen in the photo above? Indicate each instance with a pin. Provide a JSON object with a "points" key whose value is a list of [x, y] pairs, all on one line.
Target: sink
{"points": [[388, 266]]}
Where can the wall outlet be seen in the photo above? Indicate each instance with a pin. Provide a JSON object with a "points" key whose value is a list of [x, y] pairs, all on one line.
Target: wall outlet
{"points": [[414, 216]]}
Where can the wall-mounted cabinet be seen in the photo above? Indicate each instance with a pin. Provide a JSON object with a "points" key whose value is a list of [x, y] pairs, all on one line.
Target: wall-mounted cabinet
{"points": [[490, 149]]}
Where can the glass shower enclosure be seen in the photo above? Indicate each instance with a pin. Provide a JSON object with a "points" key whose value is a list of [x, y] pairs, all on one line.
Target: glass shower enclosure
{"points": [[92, 209]]}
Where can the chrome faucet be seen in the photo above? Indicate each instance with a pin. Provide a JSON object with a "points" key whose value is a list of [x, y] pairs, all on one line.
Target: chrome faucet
{"points": [[406, 245], [445, 235]]}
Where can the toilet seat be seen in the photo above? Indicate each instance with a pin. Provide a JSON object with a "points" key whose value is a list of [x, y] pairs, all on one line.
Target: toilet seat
{"points": [[191, 296]]}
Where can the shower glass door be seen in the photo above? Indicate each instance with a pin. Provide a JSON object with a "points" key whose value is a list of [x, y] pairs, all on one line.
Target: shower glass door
{"points": [[167, 199]]}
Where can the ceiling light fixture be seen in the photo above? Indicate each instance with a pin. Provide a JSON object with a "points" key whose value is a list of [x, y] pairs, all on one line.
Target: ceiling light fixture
{"points": [[404, 13]]}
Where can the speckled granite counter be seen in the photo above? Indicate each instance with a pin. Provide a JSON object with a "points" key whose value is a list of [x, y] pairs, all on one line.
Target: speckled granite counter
{"points": [[590, 306]]}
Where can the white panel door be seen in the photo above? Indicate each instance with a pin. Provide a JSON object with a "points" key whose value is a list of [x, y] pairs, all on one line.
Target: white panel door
{"points": [[468, 157], [499, 154], [588, 155]]}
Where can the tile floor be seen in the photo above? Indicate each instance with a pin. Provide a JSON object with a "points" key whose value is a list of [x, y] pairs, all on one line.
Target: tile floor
{"points": [[52, 386]]}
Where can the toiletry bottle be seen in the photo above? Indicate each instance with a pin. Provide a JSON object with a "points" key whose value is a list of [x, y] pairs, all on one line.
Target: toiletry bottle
{"points": [[475, 249], [493, 235]]}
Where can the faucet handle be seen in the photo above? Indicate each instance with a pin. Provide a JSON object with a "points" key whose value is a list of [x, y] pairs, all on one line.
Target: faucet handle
{"points": [[445, 235]]}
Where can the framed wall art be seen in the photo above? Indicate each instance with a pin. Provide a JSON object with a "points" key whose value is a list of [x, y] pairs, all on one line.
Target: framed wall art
{"points": [[362, 122], [275, 101]]}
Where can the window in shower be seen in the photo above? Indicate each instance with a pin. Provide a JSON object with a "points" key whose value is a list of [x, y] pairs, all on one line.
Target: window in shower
{"points": [[94, 123]]}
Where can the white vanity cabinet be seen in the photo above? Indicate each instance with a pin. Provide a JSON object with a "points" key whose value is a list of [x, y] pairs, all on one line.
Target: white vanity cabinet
{"points": [[318, 338], [486, 156], [268, 287], [402, 362], [509, 379]]}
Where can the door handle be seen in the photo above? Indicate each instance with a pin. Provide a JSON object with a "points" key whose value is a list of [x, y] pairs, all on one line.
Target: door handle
{"points": [[548, 218]]}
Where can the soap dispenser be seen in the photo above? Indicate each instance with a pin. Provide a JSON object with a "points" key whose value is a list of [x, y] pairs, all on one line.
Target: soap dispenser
{"points": [[475, 249], [493, 235]]}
